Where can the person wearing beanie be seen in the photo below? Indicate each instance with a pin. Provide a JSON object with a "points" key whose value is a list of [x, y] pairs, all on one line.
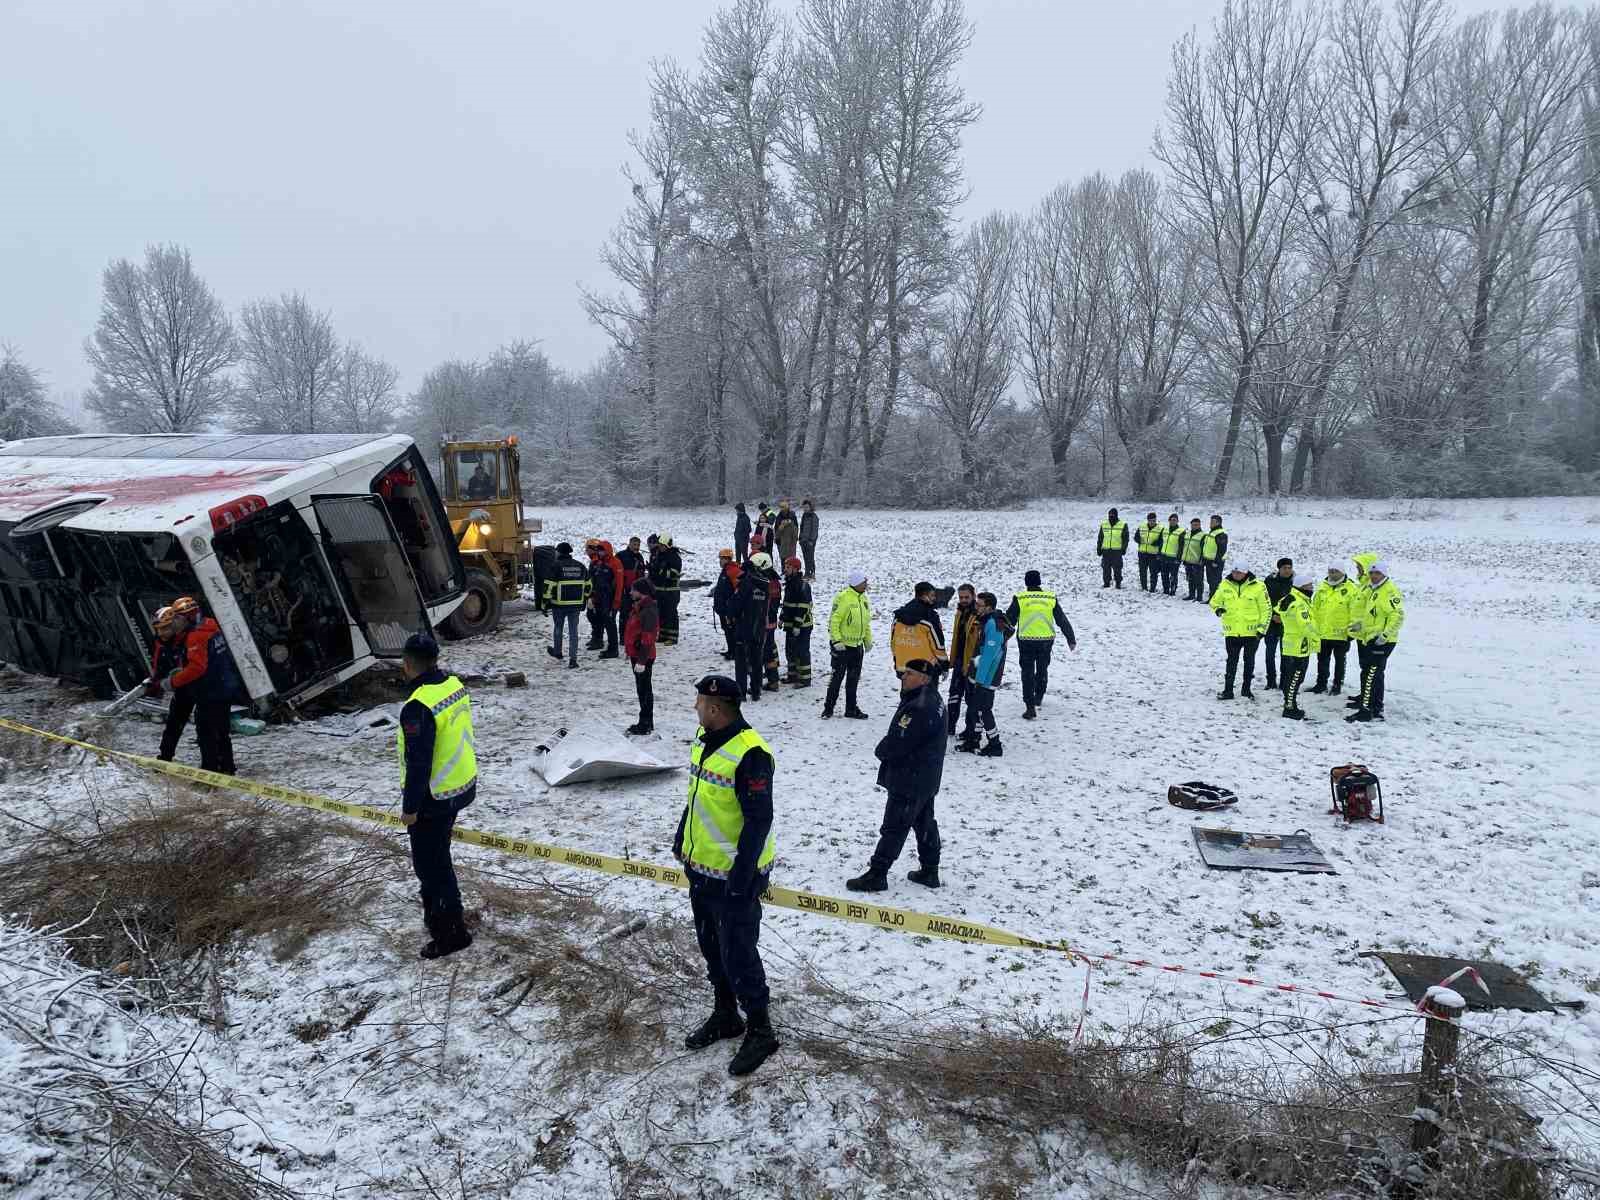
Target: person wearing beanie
{"points": [[725, 598], [797, 622], [639, 642], [631, 562], [1149, 543], [1214, 553], [988, 669], [1171, 553], [1194, 567], [758, 583], [1111, 544], [910, 767], [963, 649], [1036, 615], [809, 527], [741, 533], [1240, 601], [917, 631], [1380, 612], [666, 567], [849, 637], [566, 592], [1298, 634], [1279, 584], [725, 844], [1330, 610]]}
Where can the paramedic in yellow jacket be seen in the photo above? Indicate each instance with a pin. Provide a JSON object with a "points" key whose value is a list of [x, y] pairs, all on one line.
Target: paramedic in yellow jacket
{"points": [[1377, 615], [917, 631], [1299, 640], [1241, 601]]}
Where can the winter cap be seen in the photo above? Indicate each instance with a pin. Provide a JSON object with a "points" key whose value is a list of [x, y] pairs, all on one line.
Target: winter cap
{"points": [[1304, 579], [793, 564], [856, 578], [1031, 579], [721, 687], [1381, 567], [924, 666], [1336, 570], [725, 553], [1239, 568], [564, 548], [422, 645], [644, 587]]}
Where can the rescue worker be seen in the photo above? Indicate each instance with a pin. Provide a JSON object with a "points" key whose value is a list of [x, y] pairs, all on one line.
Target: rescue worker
{"points": [[1214, 553], [1171, 552], [725, 598], [632, 562], [1241, 602], [1111, 545], [1194, 567], [666, 568], [988, 669], [750, 623], [166, 656], [786, 529], [741, 532], [1149, 544], [917, 631], [725, 843], [205, 682], [566, 592], [438, 778], [774, 619], [1380, 612], [1299, 636], [963, 648], [910, 767], [797, 622], [639, 641], [849, 637], [809, 525], [1331, 610], [604, 599], [1279, 584], [1036, 615]]}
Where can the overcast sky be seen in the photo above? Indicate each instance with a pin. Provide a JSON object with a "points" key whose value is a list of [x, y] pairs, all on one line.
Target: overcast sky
{"points": [[438, 176]]}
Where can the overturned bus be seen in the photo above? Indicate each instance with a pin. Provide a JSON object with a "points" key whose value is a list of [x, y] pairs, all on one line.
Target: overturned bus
{"points": [[317, 554]]}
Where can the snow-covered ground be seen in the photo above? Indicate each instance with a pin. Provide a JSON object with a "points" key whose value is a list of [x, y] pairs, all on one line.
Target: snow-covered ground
{"points": [[1492, 847]]}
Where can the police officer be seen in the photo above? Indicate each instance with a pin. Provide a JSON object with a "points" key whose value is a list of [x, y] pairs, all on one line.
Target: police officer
{"points": [[1279, 584], [1330, 609], [1036, 615], [797, 622], [1379, 611], [1214, 553], [1150, 553], [1240, 601], [910, 766], [1111, 545], [1171, 550], [1298, 635], [1194, 567], [724, 841], [438, 778]]}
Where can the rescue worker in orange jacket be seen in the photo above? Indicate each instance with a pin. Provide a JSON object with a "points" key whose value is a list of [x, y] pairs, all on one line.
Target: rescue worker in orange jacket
{"points": [[205, 682]]}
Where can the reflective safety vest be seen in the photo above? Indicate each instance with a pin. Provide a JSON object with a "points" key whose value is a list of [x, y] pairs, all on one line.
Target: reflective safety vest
{"points": [[1150, 539], [714, 822], [1036, 616], [1208, 544], [455, 760], [1171, 539], [1113, 537], [1191, 548]]}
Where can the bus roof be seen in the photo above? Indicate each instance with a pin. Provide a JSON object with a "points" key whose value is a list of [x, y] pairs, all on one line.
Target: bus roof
{"points": [[157, 481]]}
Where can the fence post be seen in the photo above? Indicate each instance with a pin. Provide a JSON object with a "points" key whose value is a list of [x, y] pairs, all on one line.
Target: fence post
{"points": [[1436, 1098]]}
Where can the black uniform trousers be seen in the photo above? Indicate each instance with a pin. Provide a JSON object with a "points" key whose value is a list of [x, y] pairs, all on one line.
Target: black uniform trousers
{"points": [[1213, 577], [846, 671], [215, 735], [1294, 674], [602, 629], [747, 666], [1237, 647], [430, 859], [1273, 641], [644, 685], [179, 709], [1111, 568], [741, 549], [980, 708], [960, 686], [1149, 571], [1169, 576], [1377, 661], [903, 814], [1034, 655], [772, 656], [1337, 651], [667, 606], [1195, 576], [727, 634], [728, 930], [797, 652], [808, 551]]}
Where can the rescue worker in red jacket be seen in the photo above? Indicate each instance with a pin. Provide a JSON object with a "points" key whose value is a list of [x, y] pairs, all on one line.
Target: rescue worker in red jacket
{"points": [[632, 563], [639, 641], [206, 682]]}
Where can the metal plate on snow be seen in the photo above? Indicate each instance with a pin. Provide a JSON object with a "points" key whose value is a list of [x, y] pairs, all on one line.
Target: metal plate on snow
{"points": [[1229, 850], [1507, 989]]}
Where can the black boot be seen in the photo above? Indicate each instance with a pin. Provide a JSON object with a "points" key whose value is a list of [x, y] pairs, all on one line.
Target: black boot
{"points": [[1361, 714], [1247, 693], [552, 652], [641, 728], [1029, 713], [449, 930], [991, 749], [1353, 702], [1319, 689], [855, 714], [870, 880], [610, 654], [723, 1022], [927, 876], [1226, 693], [1336, 689], [968, 744], [1295, 714], [760, 1043]]}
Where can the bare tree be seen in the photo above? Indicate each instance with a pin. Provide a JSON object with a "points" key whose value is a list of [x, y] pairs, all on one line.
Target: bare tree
{"points": [[24, 410], [447, 404], [291, 367], [1587, 239], [161, 347], [965, 361], [1238, 115], [364, 393]]}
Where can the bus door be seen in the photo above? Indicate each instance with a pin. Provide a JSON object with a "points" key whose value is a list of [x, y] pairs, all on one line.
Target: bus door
{"points": [[378, 584]]}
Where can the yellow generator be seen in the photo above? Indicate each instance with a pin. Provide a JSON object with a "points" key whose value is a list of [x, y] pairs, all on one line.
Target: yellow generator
{"points": [[483, 494]]}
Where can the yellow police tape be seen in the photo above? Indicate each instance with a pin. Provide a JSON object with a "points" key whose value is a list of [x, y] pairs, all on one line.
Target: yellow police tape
{"points": [[902, 920]]}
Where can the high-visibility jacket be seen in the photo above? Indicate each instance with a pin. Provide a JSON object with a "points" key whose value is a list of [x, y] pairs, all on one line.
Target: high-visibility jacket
{"points": [[1378, 612], [1191, 546], [1208, 544], [1113, 537], [455, 759], [1300, 638], [1036, 616], [1330, 609], [850, 623], [714, 820], [1363, 565], [1171, 541], [1243, 607], [1149, 540], [907, 642], [569, 585]]}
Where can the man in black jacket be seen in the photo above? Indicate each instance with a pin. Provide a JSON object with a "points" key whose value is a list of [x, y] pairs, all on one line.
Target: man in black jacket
{"points": [[741, 533], [1279, 585], [910, 767], [566, 591], [725, 598], [666, 567], [809, 525], [602, 595], [756, 582]]}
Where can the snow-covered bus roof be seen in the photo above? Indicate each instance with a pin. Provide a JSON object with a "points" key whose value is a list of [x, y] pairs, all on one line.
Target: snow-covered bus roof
{"points": [[155, 482]]}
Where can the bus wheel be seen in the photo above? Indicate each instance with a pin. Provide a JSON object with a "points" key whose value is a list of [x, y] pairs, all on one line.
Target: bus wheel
{"points": [[480, 609]]}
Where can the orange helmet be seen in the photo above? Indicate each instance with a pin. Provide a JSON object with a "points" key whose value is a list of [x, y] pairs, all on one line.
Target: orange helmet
{"points": [[164, 621], [605, 548], [185, 606], [724, 553]]}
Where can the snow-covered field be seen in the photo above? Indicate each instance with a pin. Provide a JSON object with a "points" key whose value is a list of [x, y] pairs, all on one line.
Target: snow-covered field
{"points": [[1492, 849]]}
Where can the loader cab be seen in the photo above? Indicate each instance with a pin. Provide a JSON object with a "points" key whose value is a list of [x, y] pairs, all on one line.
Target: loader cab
{"points": [[483, 493]]}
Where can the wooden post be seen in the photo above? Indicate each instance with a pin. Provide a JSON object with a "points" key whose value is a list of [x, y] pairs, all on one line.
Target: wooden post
{"points": [[1436, 1099]]}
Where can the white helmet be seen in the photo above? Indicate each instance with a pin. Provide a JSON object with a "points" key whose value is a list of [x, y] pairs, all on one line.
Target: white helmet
{"points": [[761, 561]]}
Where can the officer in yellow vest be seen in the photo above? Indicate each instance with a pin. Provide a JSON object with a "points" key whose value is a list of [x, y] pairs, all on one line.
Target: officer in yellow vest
{"points": [[1036, 615], [1379, 611], [1171, 550], [1214, 553], [1194, 568], [1298, 634], [438, 778], [1111, 545], [1149, 540], [724, 841]]}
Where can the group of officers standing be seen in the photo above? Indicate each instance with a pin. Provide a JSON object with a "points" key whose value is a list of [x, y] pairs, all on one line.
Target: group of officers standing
{"points": [[1162, 550]]}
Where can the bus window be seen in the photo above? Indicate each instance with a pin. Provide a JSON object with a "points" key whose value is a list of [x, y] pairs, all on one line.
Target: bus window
{"points": [[378, 585], [409, 498], [287, 598]]}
